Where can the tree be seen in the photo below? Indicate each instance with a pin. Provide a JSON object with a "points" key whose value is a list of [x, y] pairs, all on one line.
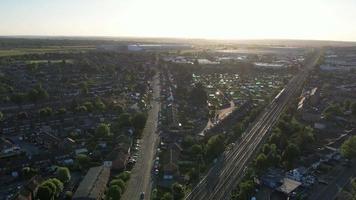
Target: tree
{"points": [[291, 153], [44, 192], [261, 162], [167, 196], [353, 108], [89, 105], [45, 112], [18, 98], [188, 141], [125, 176], [124, 120], [305, 136], [84, 88], [63, 174], [246, 189], [139, 121], [353, 188], [177, 191], [68, 195], [348, 148], [238, 130], [279, 139], [49, 189], [99, 104], [119, 183], [196, 150], [198, 95], [81, 109], [117, 108], [215, 146], [61, 111], [103, 130], [82, 161], [58, 184], [114, 192]]}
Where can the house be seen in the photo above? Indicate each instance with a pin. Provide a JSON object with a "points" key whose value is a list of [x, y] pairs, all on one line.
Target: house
{"points": [[119, 156], [93, 186], [288, 186], [171, 169], [8, 148], [29, 190], [48, 140], [67, 144]]}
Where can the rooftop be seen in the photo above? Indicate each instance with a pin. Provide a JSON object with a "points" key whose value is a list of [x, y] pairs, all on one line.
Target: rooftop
{"points": [[93, 184]]}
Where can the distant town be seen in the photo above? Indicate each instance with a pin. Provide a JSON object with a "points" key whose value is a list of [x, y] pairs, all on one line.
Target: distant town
{"points": [[170, 119]]}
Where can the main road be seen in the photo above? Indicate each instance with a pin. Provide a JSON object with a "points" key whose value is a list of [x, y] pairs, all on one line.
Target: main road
{"points": [[140, 180], [224, 176]]}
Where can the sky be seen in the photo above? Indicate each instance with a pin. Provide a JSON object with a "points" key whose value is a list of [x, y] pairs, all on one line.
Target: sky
{"points": [[212, 19]]}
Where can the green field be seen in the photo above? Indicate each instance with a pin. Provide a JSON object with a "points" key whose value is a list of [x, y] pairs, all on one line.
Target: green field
{"points": [[49, 49]]}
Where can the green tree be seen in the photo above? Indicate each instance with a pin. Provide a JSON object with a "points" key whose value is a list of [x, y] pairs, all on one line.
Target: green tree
{"points": [[119, 183], [348, 148], [198, 95], [353, 108], [68, 195], [44, 192], [18, 98], [261, 162], [103, 130], [238, 130], [99, 104], [215, 146], [61, 111], [167, 196], [58, 184], [114, 192], [139, 121], [291, 153], [84, 88], [63, 174], [353, 188], [50, 189], [89, 105], [45, 112], [125, 176], [246, 189], [82, 161], [124, 120], [178, 191], [196, 150], [188, 141]]}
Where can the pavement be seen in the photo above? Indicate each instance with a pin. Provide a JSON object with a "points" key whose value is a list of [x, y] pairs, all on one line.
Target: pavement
{"points": [[141, 180]]}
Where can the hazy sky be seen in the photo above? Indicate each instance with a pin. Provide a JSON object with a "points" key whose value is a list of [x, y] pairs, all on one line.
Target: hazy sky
{"points": [[222, 19]]}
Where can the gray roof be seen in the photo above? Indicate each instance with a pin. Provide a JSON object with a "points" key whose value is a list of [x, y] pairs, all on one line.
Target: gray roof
{"points": [[94, 183], [288, 185]]}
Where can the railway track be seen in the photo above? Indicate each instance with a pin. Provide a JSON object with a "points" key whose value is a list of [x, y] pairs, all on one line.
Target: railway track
{"points": [[222, 178]]}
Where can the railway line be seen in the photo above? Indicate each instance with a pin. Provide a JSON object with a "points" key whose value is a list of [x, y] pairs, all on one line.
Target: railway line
{"points": [[223, 177]]}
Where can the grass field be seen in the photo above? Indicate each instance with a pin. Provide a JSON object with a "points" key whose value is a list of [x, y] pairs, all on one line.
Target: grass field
{"points": [[49, 49]]}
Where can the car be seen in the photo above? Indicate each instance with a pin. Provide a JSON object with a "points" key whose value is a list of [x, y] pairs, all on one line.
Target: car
{"points": [[156, 172], [142, 196]]}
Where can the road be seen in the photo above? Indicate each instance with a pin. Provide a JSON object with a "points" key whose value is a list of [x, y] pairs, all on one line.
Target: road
{"points": [[330, 191], [221, 115], [141, 180], [224, 176]]}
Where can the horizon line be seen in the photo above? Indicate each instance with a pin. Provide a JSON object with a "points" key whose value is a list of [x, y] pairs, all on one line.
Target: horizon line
{"points": [[24, 36]]}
